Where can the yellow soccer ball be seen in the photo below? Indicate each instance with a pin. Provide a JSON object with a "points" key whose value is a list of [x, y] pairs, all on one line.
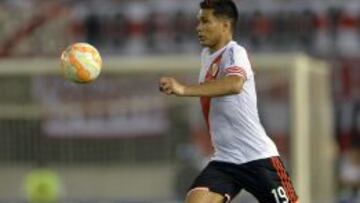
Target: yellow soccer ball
{"points": [[81, 63]]}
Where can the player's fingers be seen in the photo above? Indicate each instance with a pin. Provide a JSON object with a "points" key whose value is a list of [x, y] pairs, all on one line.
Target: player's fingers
{"points": [[165, 89], [164, 80], [169, 91], [161, 88], [166, 86], [163, 84]]}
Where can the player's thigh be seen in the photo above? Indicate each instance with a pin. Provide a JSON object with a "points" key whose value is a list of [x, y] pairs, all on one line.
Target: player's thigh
{"points": [[203, 196], [214, 184], [271, 184]]}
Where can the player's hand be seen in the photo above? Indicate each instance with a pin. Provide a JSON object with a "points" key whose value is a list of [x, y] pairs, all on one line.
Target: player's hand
{"points": [[170, 86]]}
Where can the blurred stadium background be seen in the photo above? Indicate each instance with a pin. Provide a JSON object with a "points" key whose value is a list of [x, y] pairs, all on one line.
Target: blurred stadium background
{"points": [[118, 140]]}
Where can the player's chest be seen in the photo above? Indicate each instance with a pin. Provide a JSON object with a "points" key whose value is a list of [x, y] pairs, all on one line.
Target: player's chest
{"points": [[210, 69]]}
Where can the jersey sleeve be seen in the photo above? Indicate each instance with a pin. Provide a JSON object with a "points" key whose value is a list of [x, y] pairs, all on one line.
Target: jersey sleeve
{"points": [[236, 62]]}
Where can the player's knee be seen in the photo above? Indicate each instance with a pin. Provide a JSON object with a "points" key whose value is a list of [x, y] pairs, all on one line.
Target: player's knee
{"points": [[203, 196]]}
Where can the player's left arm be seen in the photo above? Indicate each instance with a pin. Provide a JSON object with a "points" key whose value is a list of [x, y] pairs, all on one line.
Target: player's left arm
{"points": [[228, 85]]}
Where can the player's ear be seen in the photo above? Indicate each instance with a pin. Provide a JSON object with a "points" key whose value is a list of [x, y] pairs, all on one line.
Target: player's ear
{"points": [[227, 24]]}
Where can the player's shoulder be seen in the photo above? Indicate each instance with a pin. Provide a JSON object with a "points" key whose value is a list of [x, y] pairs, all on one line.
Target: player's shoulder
{"points": [[235, 48]]}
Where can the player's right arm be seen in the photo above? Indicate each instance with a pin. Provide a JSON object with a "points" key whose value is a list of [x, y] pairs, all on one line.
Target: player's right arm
{"points": [[228, 85]]}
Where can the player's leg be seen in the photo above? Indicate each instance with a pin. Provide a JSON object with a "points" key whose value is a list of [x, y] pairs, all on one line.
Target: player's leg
{"points": [[215, 184], [202, 195]]}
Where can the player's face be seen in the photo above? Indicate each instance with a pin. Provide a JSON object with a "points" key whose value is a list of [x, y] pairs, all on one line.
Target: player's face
{"points": [[209, 29]]}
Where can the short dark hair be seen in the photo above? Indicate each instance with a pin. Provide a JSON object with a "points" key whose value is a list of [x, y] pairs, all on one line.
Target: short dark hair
{"points": [[222, 8]]}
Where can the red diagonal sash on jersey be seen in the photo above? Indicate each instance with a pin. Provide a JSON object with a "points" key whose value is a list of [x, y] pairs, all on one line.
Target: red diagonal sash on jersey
{"points": [[211, 74]]}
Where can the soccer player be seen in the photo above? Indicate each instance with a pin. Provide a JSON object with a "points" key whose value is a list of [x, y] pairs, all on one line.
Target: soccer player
{"points": [[245, 157]]}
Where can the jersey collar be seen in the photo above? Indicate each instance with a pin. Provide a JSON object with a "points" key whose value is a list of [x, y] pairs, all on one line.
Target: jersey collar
{"points": [[217, 52]]}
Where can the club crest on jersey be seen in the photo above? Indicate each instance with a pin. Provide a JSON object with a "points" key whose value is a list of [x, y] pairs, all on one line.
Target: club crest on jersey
{"points": [[214, 69]]}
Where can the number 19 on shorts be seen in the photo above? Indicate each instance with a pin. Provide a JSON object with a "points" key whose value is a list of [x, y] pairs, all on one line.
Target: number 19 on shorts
{"points": [[280, 195]]}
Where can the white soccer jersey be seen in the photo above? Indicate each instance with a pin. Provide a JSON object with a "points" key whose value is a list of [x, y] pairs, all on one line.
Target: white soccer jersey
{"points": [[233, 121]]}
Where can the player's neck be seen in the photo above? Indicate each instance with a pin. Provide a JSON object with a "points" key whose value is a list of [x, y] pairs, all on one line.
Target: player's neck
{"points": [[221, 44]]}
